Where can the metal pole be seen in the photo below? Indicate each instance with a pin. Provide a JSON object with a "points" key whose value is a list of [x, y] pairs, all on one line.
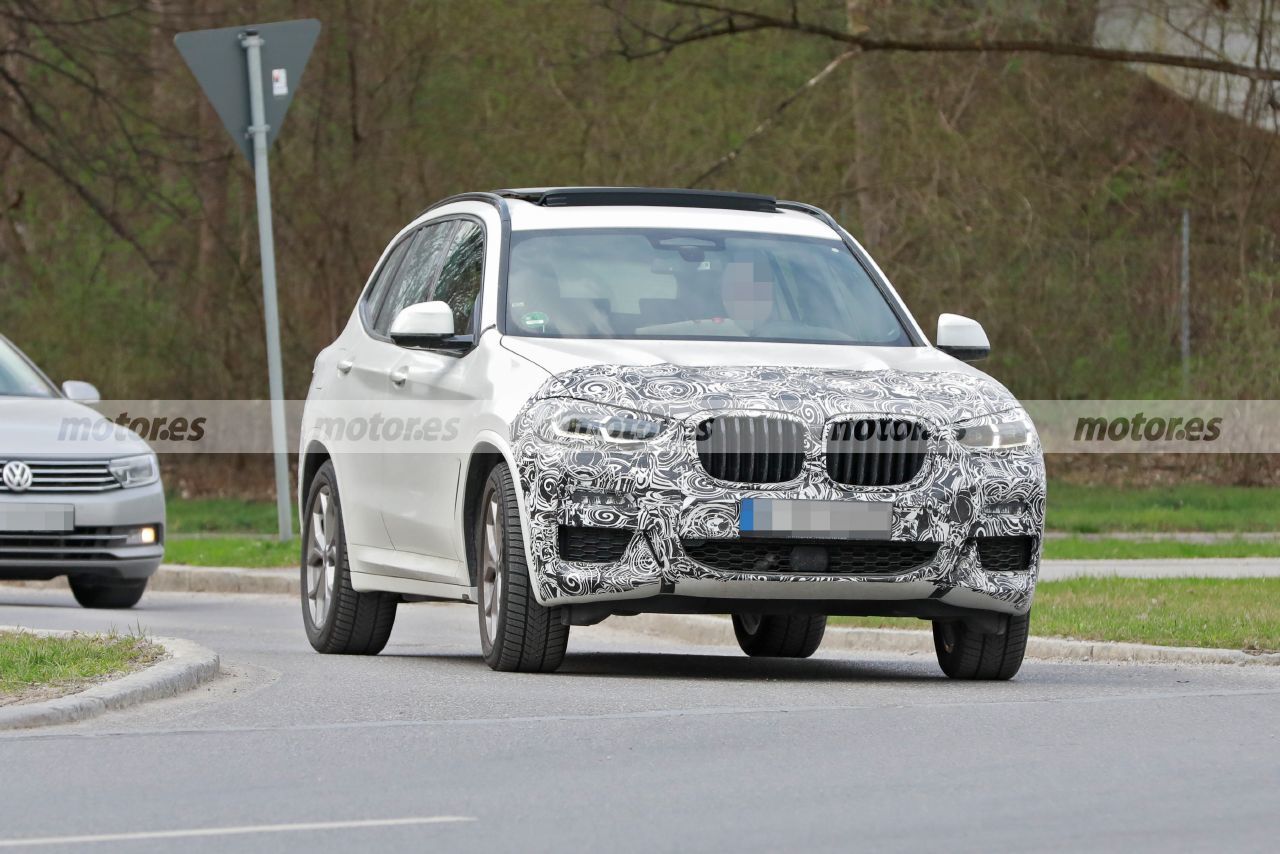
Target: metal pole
{"points": [[252, 44], [1185, 300]]}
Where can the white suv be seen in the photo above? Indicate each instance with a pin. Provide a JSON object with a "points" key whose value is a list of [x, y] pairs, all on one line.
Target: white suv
{"points": [[566, 404]]}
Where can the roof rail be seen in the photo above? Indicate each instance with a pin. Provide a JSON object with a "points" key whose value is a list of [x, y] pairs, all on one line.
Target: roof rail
{"points": [[561, 197]]}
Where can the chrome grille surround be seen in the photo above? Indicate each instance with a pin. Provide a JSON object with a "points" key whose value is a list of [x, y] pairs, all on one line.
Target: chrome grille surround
{"points": [[65, 476]]}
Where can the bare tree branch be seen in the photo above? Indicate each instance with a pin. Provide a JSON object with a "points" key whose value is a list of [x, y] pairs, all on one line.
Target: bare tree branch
{"points": [[773, 117], [732, 21]]}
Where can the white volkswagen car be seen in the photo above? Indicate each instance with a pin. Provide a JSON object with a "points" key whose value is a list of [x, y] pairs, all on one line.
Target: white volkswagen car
{"points": [[79, 495], [567, 404]]}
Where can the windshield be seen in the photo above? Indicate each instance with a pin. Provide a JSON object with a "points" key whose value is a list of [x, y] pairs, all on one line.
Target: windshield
{"points": [[699, 285], [17, 377]]}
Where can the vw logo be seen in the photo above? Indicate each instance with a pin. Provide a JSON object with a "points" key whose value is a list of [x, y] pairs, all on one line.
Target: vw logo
{"points": [[17, 476]]}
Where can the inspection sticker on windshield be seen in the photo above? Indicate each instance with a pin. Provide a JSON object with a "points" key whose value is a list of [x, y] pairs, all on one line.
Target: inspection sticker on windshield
{"points": [[837, 520]]}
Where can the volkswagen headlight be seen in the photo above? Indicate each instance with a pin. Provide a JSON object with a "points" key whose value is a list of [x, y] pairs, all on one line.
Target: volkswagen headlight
{"points": [[1009, 429], [141, 470]]}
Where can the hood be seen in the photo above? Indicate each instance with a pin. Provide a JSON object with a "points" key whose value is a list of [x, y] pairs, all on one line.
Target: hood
{"points": [[814, 381], [53, 427]]}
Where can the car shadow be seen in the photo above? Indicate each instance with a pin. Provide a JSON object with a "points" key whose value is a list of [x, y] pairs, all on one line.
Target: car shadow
{"points": [[697, 666]]}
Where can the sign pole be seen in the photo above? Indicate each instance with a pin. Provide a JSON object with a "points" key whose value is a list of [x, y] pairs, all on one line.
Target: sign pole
{"points": [[258, 129]]}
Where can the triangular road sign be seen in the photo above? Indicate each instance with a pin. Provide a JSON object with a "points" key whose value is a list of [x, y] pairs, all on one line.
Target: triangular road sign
{"points": [[217, 59]]}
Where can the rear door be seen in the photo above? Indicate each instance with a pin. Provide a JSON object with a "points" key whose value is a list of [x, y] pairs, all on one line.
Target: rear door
{"points": [[353, 392]]}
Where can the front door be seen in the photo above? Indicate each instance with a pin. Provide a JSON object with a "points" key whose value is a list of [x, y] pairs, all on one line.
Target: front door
{"points": [[422, 476]]}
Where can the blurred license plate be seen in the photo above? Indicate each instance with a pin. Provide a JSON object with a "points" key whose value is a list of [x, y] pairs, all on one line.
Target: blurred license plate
{"points": [[17, 518], [838, 520]]}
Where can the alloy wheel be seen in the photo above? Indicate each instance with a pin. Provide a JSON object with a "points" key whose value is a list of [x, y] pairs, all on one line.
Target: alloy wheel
{"points": [[491, 568], [322, 556]]}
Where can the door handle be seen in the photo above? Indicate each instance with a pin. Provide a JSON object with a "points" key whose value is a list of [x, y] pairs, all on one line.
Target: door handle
{"points": [[344, 367], [398, 376]]}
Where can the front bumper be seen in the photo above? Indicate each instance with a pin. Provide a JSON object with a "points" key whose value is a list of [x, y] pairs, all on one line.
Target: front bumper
{"points": [[661, 493], [97, 545]]}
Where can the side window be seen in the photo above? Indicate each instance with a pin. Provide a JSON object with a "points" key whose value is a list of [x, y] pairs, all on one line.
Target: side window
{"points": [[417, 272], [461, 274], [386, 274]]}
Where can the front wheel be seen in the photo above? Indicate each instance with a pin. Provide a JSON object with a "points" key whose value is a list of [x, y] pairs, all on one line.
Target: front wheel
{"points": [[114, 593], [778, 636], [516, 633], [338, 619], [964, 653]]}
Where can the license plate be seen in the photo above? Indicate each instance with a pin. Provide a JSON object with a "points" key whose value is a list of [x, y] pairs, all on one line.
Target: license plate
{"points": [[21, 518], [837, 520]]}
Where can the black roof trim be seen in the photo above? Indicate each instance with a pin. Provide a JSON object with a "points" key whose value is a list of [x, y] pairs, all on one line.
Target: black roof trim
{"points": [[562, 197]]}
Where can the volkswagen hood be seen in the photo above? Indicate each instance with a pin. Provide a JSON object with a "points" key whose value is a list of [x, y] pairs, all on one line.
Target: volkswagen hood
{"points": [[52, 428]]}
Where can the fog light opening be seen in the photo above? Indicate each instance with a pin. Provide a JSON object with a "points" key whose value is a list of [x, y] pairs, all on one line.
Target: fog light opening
{"points": [[144, 536], [1007, 508]]}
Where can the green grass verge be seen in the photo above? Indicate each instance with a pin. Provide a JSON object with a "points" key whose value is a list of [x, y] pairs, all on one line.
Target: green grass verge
{"points": [[250, 552], [221, 515], [1187, 507], [1236, 613], [1074, 548], [29, 661]]}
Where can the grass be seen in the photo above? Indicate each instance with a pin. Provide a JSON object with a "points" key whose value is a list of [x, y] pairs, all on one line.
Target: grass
{"points": [[1236, 613], [221, 515], [1187, 507], [49, 665], [250, 552], [1075, 548]]}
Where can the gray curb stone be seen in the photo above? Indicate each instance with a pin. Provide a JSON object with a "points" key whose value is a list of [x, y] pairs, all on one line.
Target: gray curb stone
{"points": [[187, 666], [176, 578], [712, 630]]}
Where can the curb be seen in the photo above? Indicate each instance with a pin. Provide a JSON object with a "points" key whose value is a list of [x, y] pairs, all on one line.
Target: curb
{"points": [[718, 631], [176, 578], [187, 666]]}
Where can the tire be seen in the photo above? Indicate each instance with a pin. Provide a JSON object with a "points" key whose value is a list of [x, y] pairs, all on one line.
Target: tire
{"points": [[516, 633], [778, 636], [99, 593], [338, 619], [967, 654]]}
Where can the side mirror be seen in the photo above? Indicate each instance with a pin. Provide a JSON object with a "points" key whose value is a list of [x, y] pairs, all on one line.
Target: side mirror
{"points": [[962, 337], [81, 392], [424, 324]]}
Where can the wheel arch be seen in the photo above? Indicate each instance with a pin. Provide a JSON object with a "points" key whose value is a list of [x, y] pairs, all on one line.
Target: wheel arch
{"points": [[313, 458], [489, 450]]}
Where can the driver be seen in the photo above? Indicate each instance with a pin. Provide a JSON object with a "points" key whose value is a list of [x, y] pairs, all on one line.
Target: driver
{"points": [[746, 289]]}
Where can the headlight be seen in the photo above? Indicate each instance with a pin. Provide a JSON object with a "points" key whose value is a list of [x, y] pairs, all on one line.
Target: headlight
{"points": [[1010, 429], [617, 426], [136, 471]]}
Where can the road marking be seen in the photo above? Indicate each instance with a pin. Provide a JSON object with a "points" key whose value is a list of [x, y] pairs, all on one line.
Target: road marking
{"points": [[232, 831]]}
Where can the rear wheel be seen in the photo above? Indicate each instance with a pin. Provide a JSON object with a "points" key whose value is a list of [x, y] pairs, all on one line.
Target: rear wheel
{"points": [[778, 636], [516, 633], [338, 619], [107, 593], [964, 653]]}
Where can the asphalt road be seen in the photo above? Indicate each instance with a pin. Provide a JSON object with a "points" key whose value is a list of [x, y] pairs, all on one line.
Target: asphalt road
{"points": [[636, 745]]}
